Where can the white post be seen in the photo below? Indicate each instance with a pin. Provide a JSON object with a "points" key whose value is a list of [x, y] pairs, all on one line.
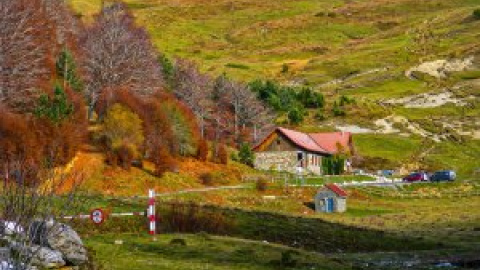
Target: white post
{"points": [[151, 211]]}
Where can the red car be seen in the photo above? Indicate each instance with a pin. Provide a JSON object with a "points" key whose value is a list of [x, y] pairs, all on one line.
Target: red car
{"points": [[414, 177]]}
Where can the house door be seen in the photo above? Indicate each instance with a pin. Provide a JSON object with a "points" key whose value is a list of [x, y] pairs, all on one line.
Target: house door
{"points": [[329, 205]]}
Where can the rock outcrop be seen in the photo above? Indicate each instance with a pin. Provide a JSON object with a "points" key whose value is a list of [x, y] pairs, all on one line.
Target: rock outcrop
{"points": [[49, 245], [65, 240], [441, 68]]}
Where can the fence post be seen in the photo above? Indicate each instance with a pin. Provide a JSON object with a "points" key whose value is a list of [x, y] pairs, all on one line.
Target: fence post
{"points": [[151, 212]]}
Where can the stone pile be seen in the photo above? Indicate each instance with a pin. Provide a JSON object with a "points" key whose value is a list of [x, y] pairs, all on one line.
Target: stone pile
{"points": [[50, 245]]}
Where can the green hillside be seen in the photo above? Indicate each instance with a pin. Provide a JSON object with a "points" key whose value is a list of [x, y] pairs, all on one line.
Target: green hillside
{"points": [[321, 40], [361, 49]]}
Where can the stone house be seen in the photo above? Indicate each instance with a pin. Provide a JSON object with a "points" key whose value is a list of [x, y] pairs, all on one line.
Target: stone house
{"points": [[292, 151], [331, 198]]}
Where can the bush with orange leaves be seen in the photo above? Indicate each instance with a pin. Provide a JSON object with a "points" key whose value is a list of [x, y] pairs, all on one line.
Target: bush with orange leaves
{"points": [[167, 123], [202, 153], [164, 162], [36, 141], [223, 154]]}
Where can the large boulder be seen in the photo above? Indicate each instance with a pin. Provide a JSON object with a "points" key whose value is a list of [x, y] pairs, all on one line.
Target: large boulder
{"points": [[441, 68], [47, 258], [64, 239], [59, 237]]}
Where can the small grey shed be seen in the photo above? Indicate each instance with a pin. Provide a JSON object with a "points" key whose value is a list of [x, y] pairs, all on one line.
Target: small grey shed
{"points": [[331, 198]]}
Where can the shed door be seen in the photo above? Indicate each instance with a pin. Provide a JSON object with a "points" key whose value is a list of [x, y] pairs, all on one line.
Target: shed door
{"points": [[330, 205]]}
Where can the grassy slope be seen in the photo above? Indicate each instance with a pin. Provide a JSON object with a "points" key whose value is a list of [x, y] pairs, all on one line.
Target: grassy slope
{"points": [[432, 213], [106, 180], [200, 252], [262, 36]]}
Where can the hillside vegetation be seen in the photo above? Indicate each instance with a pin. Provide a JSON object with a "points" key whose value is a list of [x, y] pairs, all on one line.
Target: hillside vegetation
{"points": [[360, 49]]}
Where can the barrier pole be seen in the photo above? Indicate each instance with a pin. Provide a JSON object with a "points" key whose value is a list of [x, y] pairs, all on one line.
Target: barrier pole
{"points": [[151, 212]]}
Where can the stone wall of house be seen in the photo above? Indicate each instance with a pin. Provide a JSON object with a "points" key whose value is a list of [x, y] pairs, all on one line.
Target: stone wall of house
{"points": [[276, 160], [287, 161]]}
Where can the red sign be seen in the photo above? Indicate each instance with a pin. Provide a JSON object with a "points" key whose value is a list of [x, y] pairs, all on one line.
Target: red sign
{"points": [[97, 216]]}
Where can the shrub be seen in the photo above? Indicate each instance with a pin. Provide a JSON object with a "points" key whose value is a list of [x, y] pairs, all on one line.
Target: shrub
{"points": [[310, 99], [344, 100], [206, 179], [111, 158], [476, 14], [178, 242], [338, 110], [334, 165], [202, 153], [332, 14], [125, 156], [223, 154], [122, 129], [164, 162], [192, 218], [246, 155], [295, 116], [319, 115], [261, 185], [237, 66], [234, 157], [287, 259]]}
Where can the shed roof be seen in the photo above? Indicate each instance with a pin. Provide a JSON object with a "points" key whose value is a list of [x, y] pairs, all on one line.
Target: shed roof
{"points": [[337, 190]]}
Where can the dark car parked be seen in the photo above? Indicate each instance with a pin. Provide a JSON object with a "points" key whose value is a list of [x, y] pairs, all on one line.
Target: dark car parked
{"points": [[446, 175], [417, 176]]}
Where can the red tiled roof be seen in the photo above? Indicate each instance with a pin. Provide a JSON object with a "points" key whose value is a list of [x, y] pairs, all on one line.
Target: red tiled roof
{"points": [[337, 190], [325, 143], [302, 140], [329, 141]]}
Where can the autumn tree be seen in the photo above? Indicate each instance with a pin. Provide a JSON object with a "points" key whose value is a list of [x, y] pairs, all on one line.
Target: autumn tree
{"points": [[123, 132], [118, 53], [183, 124], [26, 57]]}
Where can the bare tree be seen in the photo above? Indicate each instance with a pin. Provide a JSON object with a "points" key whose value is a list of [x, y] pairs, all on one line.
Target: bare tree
{"points": [[118, 53], [67, 27], [26, 59], [195, 90], [248, 111]]}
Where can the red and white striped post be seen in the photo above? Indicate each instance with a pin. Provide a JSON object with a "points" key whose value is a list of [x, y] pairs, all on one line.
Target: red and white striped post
{"points": [[151, 211]]}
